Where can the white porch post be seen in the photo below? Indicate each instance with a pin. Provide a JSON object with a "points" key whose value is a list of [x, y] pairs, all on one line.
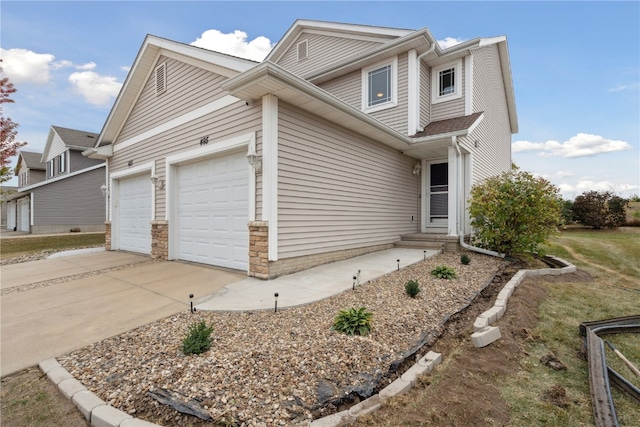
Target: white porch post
{"points": [[452, 214]]}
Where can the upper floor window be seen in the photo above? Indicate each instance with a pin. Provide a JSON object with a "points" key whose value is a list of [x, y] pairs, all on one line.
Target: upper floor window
{"points": [[379, 84], [50, 168], [448, 82], [62, 163]]}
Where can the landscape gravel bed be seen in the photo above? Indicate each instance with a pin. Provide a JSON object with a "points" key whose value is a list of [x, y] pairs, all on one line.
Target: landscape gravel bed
{"points": [[268, 368]]}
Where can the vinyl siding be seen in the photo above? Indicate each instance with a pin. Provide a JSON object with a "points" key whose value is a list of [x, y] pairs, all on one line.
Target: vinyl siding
{"points": [[322, 51], [188, 87], [425, 95], [71, 202], [337, 190], [493, 156], [349, 89], [449, 109], [57, 147], [77, 161]]}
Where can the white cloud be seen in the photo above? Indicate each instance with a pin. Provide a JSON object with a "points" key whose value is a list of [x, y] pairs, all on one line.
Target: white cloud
{"points": [[235, 44], [94, 88], [570, 190], [581, 145], [622, 88], [25, 66], [449, 41]]}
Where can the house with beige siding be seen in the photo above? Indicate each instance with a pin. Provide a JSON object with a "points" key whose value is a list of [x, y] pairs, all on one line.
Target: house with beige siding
{"points": [[59, 189], [345, 140]]}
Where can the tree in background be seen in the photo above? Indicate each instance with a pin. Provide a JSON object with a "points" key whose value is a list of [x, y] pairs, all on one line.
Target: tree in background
{"points": [[514, 213], [600, 209], [8, 130]]}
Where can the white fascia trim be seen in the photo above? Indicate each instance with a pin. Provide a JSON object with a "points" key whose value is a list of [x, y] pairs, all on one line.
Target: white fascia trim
{"points": [[270, 171], [413, 85], [60, 178], [171, 167], [468, 86], [218, 104]]}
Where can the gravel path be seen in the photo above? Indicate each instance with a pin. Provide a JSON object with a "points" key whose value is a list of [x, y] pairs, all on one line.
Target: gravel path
{"points": [[281, 368]]}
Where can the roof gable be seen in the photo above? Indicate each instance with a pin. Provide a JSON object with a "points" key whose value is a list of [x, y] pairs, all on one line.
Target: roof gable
{"points": [[72, 139], [31, 159], [152, 48]]}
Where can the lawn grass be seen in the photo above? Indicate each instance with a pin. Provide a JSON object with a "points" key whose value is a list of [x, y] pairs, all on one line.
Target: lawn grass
{"points": [[611, 257], [17, 246]]}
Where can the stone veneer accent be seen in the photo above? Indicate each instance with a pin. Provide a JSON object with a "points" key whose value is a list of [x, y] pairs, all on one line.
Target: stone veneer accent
{"points": [[107, 235], [259, 249], [160, 240]]}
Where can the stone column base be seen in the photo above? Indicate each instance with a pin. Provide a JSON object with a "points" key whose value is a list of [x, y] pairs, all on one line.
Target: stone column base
{"points": [[259, 249], [160, 240], [107, 235]]}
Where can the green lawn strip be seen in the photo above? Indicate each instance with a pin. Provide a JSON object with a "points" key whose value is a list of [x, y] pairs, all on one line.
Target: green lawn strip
{"points": [[12, 247]]}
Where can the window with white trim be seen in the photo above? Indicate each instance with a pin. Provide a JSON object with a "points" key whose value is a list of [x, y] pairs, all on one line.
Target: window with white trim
{"points": [[62, 163], [379, 86], [50, 168], [447, 81]]}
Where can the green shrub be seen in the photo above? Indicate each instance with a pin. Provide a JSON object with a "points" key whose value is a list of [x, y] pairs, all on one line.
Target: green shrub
{"points": [[514, 213], [600, 209], [465, 259], [444, 272], [353, 321], [412, 288], [198, 340]]}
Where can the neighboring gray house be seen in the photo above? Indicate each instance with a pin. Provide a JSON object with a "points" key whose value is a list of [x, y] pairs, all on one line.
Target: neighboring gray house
{"points": [[342, 141], [59, 190], [5, 191]]}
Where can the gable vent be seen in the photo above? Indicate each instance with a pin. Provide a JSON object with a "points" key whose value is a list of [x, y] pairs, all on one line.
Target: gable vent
{"points": [[303, 50], [161, 78]]}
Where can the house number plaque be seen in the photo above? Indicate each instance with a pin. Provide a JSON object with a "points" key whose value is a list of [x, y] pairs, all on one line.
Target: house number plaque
{"points": [[204, 140]]}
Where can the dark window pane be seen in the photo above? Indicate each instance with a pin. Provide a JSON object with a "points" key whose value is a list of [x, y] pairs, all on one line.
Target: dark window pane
{"points": [[380, 86]]}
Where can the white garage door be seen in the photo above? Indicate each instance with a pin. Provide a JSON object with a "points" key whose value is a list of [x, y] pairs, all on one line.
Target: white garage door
{"points": [[23, 215], [134, 214], [11, 216], [213, 211]]}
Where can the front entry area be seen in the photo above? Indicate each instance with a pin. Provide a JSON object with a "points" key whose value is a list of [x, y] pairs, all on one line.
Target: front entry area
{"points": [[213, 211], [437, 186]]}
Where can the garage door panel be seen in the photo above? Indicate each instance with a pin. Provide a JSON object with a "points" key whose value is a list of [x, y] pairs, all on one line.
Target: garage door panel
{"points": [[213, 211], [134, 214]]}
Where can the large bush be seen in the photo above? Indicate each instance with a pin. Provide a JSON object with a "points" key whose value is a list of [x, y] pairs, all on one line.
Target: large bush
{"points": [[515, 212], [600, 209]]}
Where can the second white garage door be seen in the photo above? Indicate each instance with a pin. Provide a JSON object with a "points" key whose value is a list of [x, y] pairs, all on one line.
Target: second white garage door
{"points": [[213, 210]]}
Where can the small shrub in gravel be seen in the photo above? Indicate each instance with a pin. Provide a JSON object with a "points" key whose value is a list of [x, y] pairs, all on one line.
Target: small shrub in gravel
{"points": [[444, 272], [412, 288], [465, 259], [354, 321], [198, 340]]}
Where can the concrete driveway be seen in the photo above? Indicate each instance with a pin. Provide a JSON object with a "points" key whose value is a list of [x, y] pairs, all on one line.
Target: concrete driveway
{"points": [[96, 295]]}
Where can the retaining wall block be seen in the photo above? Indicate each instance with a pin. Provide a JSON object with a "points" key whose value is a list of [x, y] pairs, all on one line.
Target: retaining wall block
{"points": [[504, 294], [334, 420], [366, 406], [500, 303], [47, 365], [436, 358], [86, 402], [57, 375], [480, 323], [108, 416], [70, 386], [413, 372], [486, 336], [500, 312], [396, 388], [521, 274], [570, 269]]}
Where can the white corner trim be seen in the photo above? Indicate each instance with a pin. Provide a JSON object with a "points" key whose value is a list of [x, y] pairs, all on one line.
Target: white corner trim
{"points": [[413, 85], [468, 85], [178, 121], [270, 171]]}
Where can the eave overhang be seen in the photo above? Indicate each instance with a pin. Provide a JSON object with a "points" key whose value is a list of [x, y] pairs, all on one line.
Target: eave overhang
{"points": [[104, 152]]}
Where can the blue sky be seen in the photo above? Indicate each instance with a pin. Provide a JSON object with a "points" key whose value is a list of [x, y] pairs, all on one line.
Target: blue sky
{"points": [[575, 66]]}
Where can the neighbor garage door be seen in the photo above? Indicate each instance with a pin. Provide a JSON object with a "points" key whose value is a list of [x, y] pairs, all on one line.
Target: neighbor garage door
{"points": [[213, 212], [23, 214], [11, 216], [134, 214]]}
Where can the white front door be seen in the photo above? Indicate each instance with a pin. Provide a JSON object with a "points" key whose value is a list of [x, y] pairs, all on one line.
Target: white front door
{"points": [[213, 211], [437, 186], [23, 215], [134, 214]]}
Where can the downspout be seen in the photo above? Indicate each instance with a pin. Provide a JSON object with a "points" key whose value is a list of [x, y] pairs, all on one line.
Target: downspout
{"points": [[418, 59], [460, 191]]}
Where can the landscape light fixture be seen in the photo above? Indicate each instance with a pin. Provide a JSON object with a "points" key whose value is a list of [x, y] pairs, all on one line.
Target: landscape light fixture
{"points": [[193, 310], [398, 265], [275, 296], [354, 283]]}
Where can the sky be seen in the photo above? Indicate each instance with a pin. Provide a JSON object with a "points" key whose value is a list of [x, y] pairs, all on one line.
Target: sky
{"points": [[575, 66]]}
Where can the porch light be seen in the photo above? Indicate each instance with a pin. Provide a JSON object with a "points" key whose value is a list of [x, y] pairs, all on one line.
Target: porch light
{"points": [[416, 169], [254, 161], [157, 182], [104, 189]]}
